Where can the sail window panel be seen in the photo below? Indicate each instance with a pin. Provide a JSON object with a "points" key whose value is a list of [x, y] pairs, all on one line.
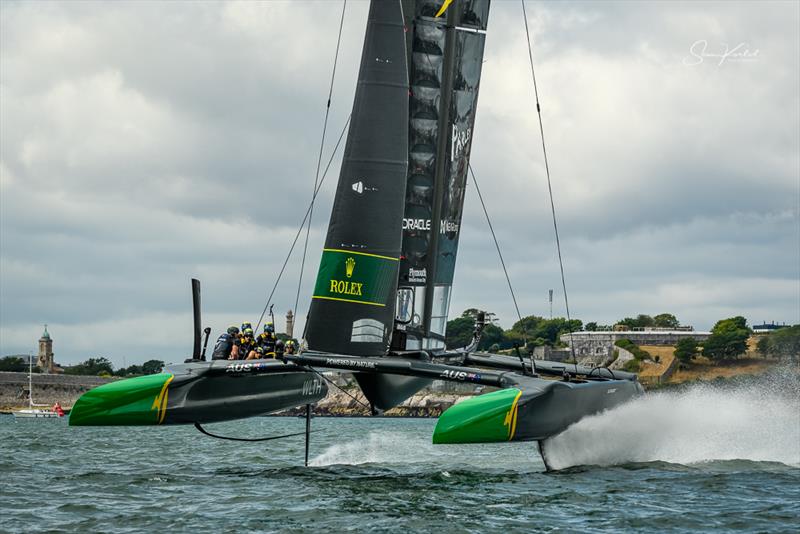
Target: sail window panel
{"points": [[429, 38], [469, 57], [422, 164], [367, 331], [424, 102], [427, 70], [423, 135], [419, 306], [413, 343], [433, 344], [441, 305], [416, 251], [420, 193], [429, 8], [474, 13]]}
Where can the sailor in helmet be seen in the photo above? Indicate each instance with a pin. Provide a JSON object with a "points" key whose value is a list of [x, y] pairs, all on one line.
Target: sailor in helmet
{"points": [[247, 345], [266, 340], [291, 347], [224, 347]]}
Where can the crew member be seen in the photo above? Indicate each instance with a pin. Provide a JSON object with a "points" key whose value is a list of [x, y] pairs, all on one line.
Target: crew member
{"points": [[247, 345], [225, 343], [279, 349], [266, 340], [256, 354], [290, 347]]}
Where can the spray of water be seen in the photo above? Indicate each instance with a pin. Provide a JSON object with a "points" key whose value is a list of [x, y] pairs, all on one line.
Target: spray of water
{"points": [[376, 447], [758, 422]]}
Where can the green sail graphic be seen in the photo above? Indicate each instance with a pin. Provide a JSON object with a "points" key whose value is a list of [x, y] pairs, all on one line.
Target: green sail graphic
{"points": [[348, 276]]}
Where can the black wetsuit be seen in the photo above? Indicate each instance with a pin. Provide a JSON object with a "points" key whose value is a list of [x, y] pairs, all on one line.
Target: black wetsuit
{"points": [[223, 347]]}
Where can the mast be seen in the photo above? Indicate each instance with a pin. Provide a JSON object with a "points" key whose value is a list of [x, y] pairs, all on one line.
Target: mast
{"points": [[30, 380], [441, 161], [445, 69]]}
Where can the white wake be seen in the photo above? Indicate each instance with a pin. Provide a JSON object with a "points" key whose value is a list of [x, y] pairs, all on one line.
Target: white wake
{"points": [[760, 422], [376, 447]]}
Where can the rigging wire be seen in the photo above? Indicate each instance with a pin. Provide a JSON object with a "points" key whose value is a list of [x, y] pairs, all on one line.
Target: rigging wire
{"points": [[319, 158], [302, 224], [497, 246], [549, 185], [334, 384]]}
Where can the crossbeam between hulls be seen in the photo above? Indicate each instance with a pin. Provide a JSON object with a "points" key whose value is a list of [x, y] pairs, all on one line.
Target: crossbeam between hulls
{"points": [[405, 367]]}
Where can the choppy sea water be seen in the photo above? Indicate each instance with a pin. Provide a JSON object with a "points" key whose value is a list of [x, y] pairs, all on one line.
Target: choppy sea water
{"points": [[696, 460]]}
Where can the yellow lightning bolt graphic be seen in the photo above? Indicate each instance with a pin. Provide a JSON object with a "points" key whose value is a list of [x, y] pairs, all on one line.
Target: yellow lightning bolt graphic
{"points": [[444, 8]]}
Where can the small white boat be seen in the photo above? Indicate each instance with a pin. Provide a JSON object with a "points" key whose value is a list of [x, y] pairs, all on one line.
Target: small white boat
{"points": [[36, 411]]}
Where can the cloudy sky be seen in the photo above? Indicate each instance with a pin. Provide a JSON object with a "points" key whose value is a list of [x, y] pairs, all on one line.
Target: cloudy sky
{"points": [[142, 143]]}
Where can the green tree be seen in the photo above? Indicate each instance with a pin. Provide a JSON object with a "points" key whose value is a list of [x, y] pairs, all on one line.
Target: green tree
{"points": [[92, 366], [666, 320], [492, 335], [13, 364], [461, 329], [686, 349], [459, 332], [640, 321], [152, 367], [591, 327], [728, 339], [785, 343], [763, 346], [526, 326], [552, 329]]}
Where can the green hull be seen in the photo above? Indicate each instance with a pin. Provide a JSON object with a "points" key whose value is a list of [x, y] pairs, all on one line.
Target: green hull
{"points": [[486, 418], [199, 392], [534, 410], [134, 401]]}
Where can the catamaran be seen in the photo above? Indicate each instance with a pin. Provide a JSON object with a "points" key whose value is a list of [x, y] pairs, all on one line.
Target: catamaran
{"points": [[381, 299]]}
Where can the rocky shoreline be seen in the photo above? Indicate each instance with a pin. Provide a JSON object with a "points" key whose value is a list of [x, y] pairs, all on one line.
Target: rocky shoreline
{"points": [[352, 403]]}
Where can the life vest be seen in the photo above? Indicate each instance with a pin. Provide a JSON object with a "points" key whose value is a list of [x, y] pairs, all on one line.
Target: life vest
{"points": [[223, 347], [267, 342], [245, 346]]}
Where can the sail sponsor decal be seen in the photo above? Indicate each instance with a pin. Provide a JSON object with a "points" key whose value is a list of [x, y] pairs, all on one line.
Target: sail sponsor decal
{"points": [[449, 227], [417, 275], [359, 187], [459, 141], [356, 277], [417, 224], [344, 362], [312, 387]]}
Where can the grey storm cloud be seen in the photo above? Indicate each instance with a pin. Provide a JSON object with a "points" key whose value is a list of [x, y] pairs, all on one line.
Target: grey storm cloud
{"points": [[144, 143]]}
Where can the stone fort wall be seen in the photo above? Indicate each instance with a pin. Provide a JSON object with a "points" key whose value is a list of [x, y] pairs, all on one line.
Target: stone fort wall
{"points": [[47, 388]]}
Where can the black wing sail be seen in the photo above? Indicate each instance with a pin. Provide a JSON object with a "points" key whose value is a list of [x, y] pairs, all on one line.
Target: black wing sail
{"points": [[352, 309], [446, 56]]}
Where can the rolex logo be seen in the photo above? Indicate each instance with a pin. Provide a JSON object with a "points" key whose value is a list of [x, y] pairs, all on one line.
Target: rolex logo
{"points": [[349, 265]]}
